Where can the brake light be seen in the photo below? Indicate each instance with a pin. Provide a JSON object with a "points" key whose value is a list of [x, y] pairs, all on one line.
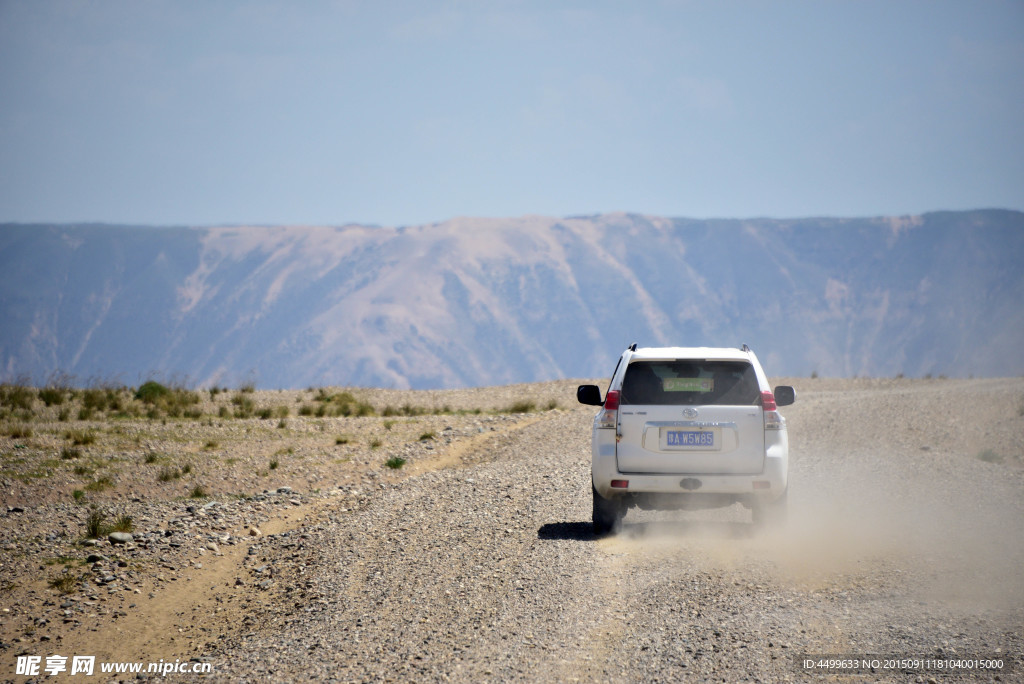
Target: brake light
{"points": [[610, 415], [611, 402], [772, 418]]}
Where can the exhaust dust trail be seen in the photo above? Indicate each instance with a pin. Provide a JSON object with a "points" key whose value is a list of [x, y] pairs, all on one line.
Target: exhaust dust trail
{"points": [[921, 533]]}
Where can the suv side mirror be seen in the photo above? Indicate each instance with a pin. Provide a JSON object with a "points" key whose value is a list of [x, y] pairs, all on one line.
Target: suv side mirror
{"points": [[589, 395], [784, 395]]}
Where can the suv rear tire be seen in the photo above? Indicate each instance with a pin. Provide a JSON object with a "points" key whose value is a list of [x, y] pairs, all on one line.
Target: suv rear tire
{"points": [[608, 514]]}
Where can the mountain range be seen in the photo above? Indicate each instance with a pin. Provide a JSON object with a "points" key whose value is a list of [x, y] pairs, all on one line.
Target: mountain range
{"points": [[472, 302]]}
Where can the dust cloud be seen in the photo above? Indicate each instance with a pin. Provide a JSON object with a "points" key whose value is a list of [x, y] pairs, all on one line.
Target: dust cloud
{"points": [[948, 534]]}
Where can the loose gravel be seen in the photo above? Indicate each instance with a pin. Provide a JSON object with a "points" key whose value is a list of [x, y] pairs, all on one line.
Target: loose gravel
{"points": [[489, 572], [477, 562]]}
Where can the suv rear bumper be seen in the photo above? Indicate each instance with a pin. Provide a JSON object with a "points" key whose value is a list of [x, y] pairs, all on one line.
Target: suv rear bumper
{"points": [[764, 487]]}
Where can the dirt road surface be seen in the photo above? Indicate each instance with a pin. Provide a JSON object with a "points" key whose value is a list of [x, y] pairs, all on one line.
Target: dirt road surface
{"points": [[900, 546], [904, 543]]}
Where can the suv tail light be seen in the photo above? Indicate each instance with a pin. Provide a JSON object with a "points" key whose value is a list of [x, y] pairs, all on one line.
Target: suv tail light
{"points": [[772, 417], [611, 402], [609, 416]]}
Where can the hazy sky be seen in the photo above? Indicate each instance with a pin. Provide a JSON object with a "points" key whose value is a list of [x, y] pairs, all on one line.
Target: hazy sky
{"points": [[397, 113]]}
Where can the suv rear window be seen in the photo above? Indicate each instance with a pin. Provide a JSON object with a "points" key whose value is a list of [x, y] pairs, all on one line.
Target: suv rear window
{"points": [[690, 382]]}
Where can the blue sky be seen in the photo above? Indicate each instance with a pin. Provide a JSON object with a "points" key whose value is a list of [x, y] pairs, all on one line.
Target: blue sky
{"points": [[403, 113]]}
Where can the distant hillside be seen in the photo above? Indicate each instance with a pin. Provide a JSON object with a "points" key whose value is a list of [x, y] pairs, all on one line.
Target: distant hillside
{"points": [[491, 301]]}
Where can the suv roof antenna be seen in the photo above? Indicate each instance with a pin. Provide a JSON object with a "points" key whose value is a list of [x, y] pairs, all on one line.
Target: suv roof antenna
{"points": [[632, 347], [745, 348]]}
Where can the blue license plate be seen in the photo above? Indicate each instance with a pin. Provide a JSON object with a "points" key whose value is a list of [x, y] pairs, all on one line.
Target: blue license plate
{"points": [[691, 438]]}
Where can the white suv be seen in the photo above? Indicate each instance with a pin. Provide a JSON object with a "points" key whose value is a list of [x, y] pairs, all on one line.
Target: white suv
{"points": [[688, 428]]}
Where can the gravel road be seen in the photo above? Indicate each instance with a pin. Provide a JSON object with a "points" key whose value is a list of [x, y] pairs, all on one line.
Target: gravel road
{"points": [[901, 543]]}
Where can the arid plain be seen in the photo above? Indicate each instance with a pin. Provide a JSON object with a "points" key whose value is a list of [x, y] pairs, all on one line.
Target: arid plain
{"points": [[366, 534]]}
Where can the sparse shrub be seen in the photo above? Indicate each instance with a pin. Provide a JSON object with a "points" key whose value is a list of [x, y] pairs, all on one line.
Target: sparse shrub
{"points": [[85, 413], [123, 523], [70, 453], [52, 396], [176, 402], [341, 439], [186, 469], [19, 432], [80, 437], [989, 456], [17, 396], [150, 392], [405, 410], [395, 462], [412, 411], [273, 464], [78, 495], [265, 414], [168, 473], [211, 444], [66, 583], [551, 406], [83, 471], [522, 406], [95, 524], [374, 443], [151, 457], [358, 408], [388, 424], [427, 436], [198, 492], [99, 484], [341, 404], [282, 424], [244, 406], [100, 399]]}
